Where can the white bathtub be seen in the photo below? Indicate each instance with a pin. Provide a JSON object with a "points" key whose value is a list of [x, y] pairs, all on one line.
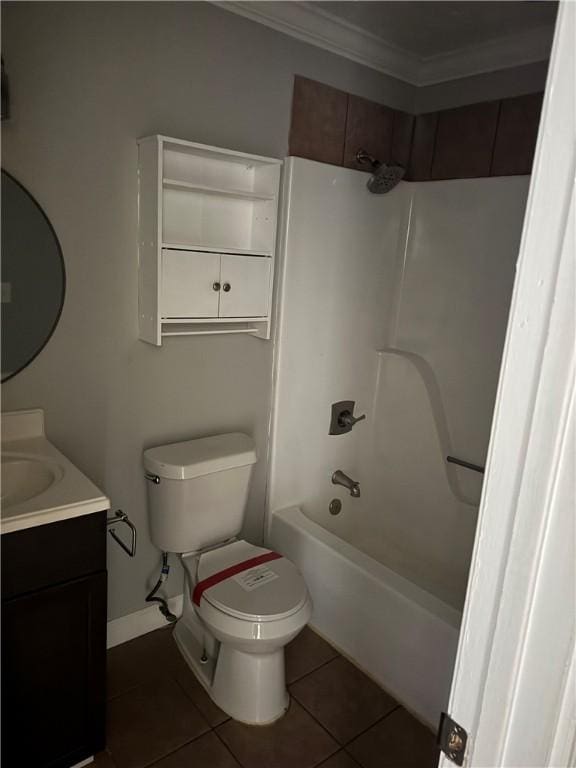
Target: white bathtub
{"points": [[400, 635]]}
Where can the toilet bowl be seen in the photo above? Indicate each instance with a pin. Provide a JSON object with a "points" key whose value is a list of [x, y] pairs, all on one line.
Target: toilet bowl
{"points": [[254, 603], [242, 603]]}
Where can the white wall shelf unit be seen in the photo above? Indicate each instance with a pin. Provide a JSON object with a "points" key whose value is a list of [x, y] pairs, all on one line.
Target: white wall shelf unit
{"points": [[205, 189], [239, 251], [207, 222]]}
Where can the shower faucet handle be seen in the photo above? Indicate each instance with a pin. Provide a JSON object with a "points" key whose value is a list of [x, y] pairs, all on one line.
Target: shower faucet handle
{"points": [[347, 419], [342, 418]]}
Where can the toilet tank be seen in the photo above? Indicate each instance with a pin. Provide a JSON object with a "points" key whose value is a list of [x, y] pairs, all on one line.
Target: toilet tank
{"points": [[197, 490]]}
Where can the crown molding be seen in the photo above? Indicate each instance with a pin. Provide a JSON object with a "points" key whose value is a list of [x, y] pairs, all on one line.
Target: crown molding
{"points": [[503, 53], [318, 27]]}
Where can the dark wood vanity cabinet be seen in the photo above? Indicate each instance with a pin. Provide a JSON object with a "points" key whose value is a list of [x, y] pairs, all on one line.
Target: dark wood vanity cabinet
{"points": [[54, 643]]}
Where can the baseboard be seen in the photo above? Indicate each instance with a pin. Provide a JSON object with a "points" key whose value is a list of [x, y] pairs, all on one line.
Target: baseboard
{"points": [[83, 763], [139, 623]]}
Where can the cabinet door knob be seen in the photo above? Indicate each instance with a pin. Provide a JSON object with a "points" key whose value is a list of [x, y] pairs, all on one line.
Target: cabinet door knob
{"points": [[216, 286], [226, 287]]}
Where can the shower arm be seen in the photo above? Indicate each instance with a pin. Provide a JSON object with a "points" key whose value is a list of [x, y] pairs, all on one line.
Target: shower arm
{"points": [[363, 157]]}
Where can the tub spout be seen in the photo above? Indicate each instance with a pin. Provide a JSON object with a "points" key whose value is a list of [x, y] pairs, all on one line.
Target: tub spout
{"points": [[339, 478]]}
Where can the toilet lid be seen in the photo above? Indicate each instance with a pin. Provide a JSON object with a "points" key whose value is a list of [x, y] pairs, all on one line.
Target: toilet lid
{"points": [[267, 589]]}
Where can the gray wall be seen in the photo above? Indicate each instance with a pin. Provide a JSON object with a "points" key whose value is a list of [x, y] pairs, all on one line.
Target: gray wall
{"points": [[86, 80], [502, 84]]}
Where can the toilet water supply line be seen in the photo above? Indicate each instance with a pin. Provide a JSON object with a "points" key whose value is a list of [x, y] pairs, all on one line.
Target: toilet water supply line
{"points": [[151, 598]]}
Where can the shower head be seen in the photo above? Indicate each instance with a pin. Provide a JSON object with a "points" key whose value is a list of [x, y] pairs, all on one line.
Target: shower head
{"points": [[384, 177]]}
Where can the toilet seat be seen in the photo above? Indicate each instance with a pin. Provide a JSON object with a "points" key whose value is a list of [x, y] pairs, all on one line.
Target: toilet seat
{"points": [[269, 588]]}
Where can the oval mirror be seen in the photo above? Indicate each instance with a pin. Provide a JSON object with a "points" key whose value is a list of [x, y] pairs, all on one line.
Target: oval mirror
{"points": [[33, 278]]}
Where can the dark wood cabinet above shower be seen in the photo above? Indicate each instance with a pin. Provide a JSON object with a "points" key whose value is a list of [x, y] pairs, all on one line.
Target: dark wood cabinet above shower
{"points": [[330, 126], [318, 129], [493, 138], [369, 127]]}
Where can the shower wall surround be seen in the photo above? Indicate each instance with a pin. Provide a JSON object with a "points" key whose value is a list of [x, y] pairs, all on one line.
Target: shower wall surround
{"points": [[398, 302], [493, 138]]}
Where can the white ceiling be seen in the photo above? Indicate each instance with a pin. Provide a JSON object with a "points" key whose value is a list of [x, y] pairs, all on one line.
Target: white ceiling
{"points": [[431, 28], [418, 42]]}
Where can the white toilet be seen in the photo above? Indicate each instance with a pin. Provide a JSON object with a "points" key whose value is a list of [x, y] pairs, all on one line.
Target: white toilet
{"points": [[242, 603]]}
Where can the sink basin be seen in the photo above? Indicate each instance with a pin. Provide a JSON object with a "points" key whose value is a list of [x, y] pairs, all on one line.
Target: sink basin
{"points": [[39, 484], [24, 477]]}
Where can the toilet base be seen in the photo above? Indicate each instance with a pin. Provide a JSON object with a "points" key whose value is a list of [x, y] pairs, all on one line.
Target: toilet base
{"points": [[250, 687]]}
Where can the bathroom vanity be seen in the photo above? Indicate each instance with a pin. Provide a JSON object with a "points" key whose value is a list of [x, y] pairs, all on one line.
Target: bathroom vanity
{"points": [[53, 602]]}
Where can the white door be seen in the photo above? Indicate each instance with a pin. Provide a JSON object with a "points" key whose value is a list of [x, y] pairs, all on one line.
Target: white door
{"points": [[190, 283], [514, 686], [245, 286]]}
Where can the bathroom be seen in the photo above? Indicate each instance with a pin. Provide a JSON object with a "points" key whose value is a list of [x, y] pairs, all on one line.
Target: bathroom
{"points": [[86, 81]]}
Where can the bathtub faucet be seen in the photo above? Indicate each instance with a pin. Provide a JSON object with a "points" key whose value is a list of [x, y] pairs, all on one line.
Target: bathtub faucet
{"points": [[339, 478]]}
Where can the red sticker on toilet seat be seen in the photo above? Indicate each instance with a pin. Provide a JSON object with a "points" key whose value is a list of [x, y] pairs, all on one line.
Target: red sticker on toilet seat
{"points": [[232, 570]]}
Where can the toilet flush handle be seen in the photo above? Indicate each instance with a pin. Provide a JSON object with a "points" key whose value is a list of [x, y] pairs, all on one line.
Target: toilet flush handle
{"points": [[152, 478]]}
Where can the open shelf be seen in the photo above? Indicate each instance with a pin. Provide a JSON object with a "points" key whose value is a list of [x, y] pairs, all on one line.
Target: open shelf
{"points": [[208, 249], [211, 328], [212, 154], [217, 320], [220, 191], [219, 222]]}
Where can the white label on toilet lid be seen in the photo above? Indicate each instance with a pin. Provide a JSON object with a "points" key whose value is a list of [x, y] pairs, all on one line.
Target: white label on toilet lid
{"points": [[255, 577]]}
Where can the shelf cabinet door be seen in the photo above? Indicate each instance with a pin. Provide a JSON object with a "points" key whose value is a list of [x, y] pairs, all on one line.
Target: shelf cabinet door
{"points": [[188, 280], [245, 286]]}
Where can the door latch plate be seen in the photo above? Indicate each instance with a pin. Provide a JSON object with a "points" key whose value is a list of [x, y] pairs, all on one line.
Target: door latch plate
{"points": [[452, 739]]}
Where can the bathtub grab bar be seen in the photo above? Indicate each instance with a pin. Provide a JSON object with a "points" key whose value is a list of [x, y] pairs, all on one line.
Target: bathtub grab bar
{"points": [[466, 464], [432, 389]]}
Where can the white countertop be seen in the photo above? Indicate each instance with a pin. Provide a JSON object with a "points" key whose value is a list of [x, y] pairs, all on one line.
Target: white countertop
{"points": [[70, 494]]}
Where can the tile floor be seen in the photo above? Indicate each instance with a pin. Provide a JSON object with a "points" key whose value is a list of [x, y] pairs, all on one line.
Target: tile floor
{"points": [[159, 715]]}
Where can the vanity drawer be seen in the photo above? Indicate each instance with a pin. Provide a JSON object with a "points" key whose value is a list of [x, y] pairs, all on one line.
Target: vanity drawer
{"points": [[53, 553]]}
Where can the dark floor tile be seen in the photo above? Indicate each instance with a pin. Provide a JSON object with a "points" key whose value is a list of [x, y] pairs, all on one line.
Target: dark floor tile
{"points": [[151, 721], [305, 653], [398, 741], [137, 661], [188, 681], [103, 760], [295, 740], [343, 699], [205, 752], [340, 760], [154, 656]]}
